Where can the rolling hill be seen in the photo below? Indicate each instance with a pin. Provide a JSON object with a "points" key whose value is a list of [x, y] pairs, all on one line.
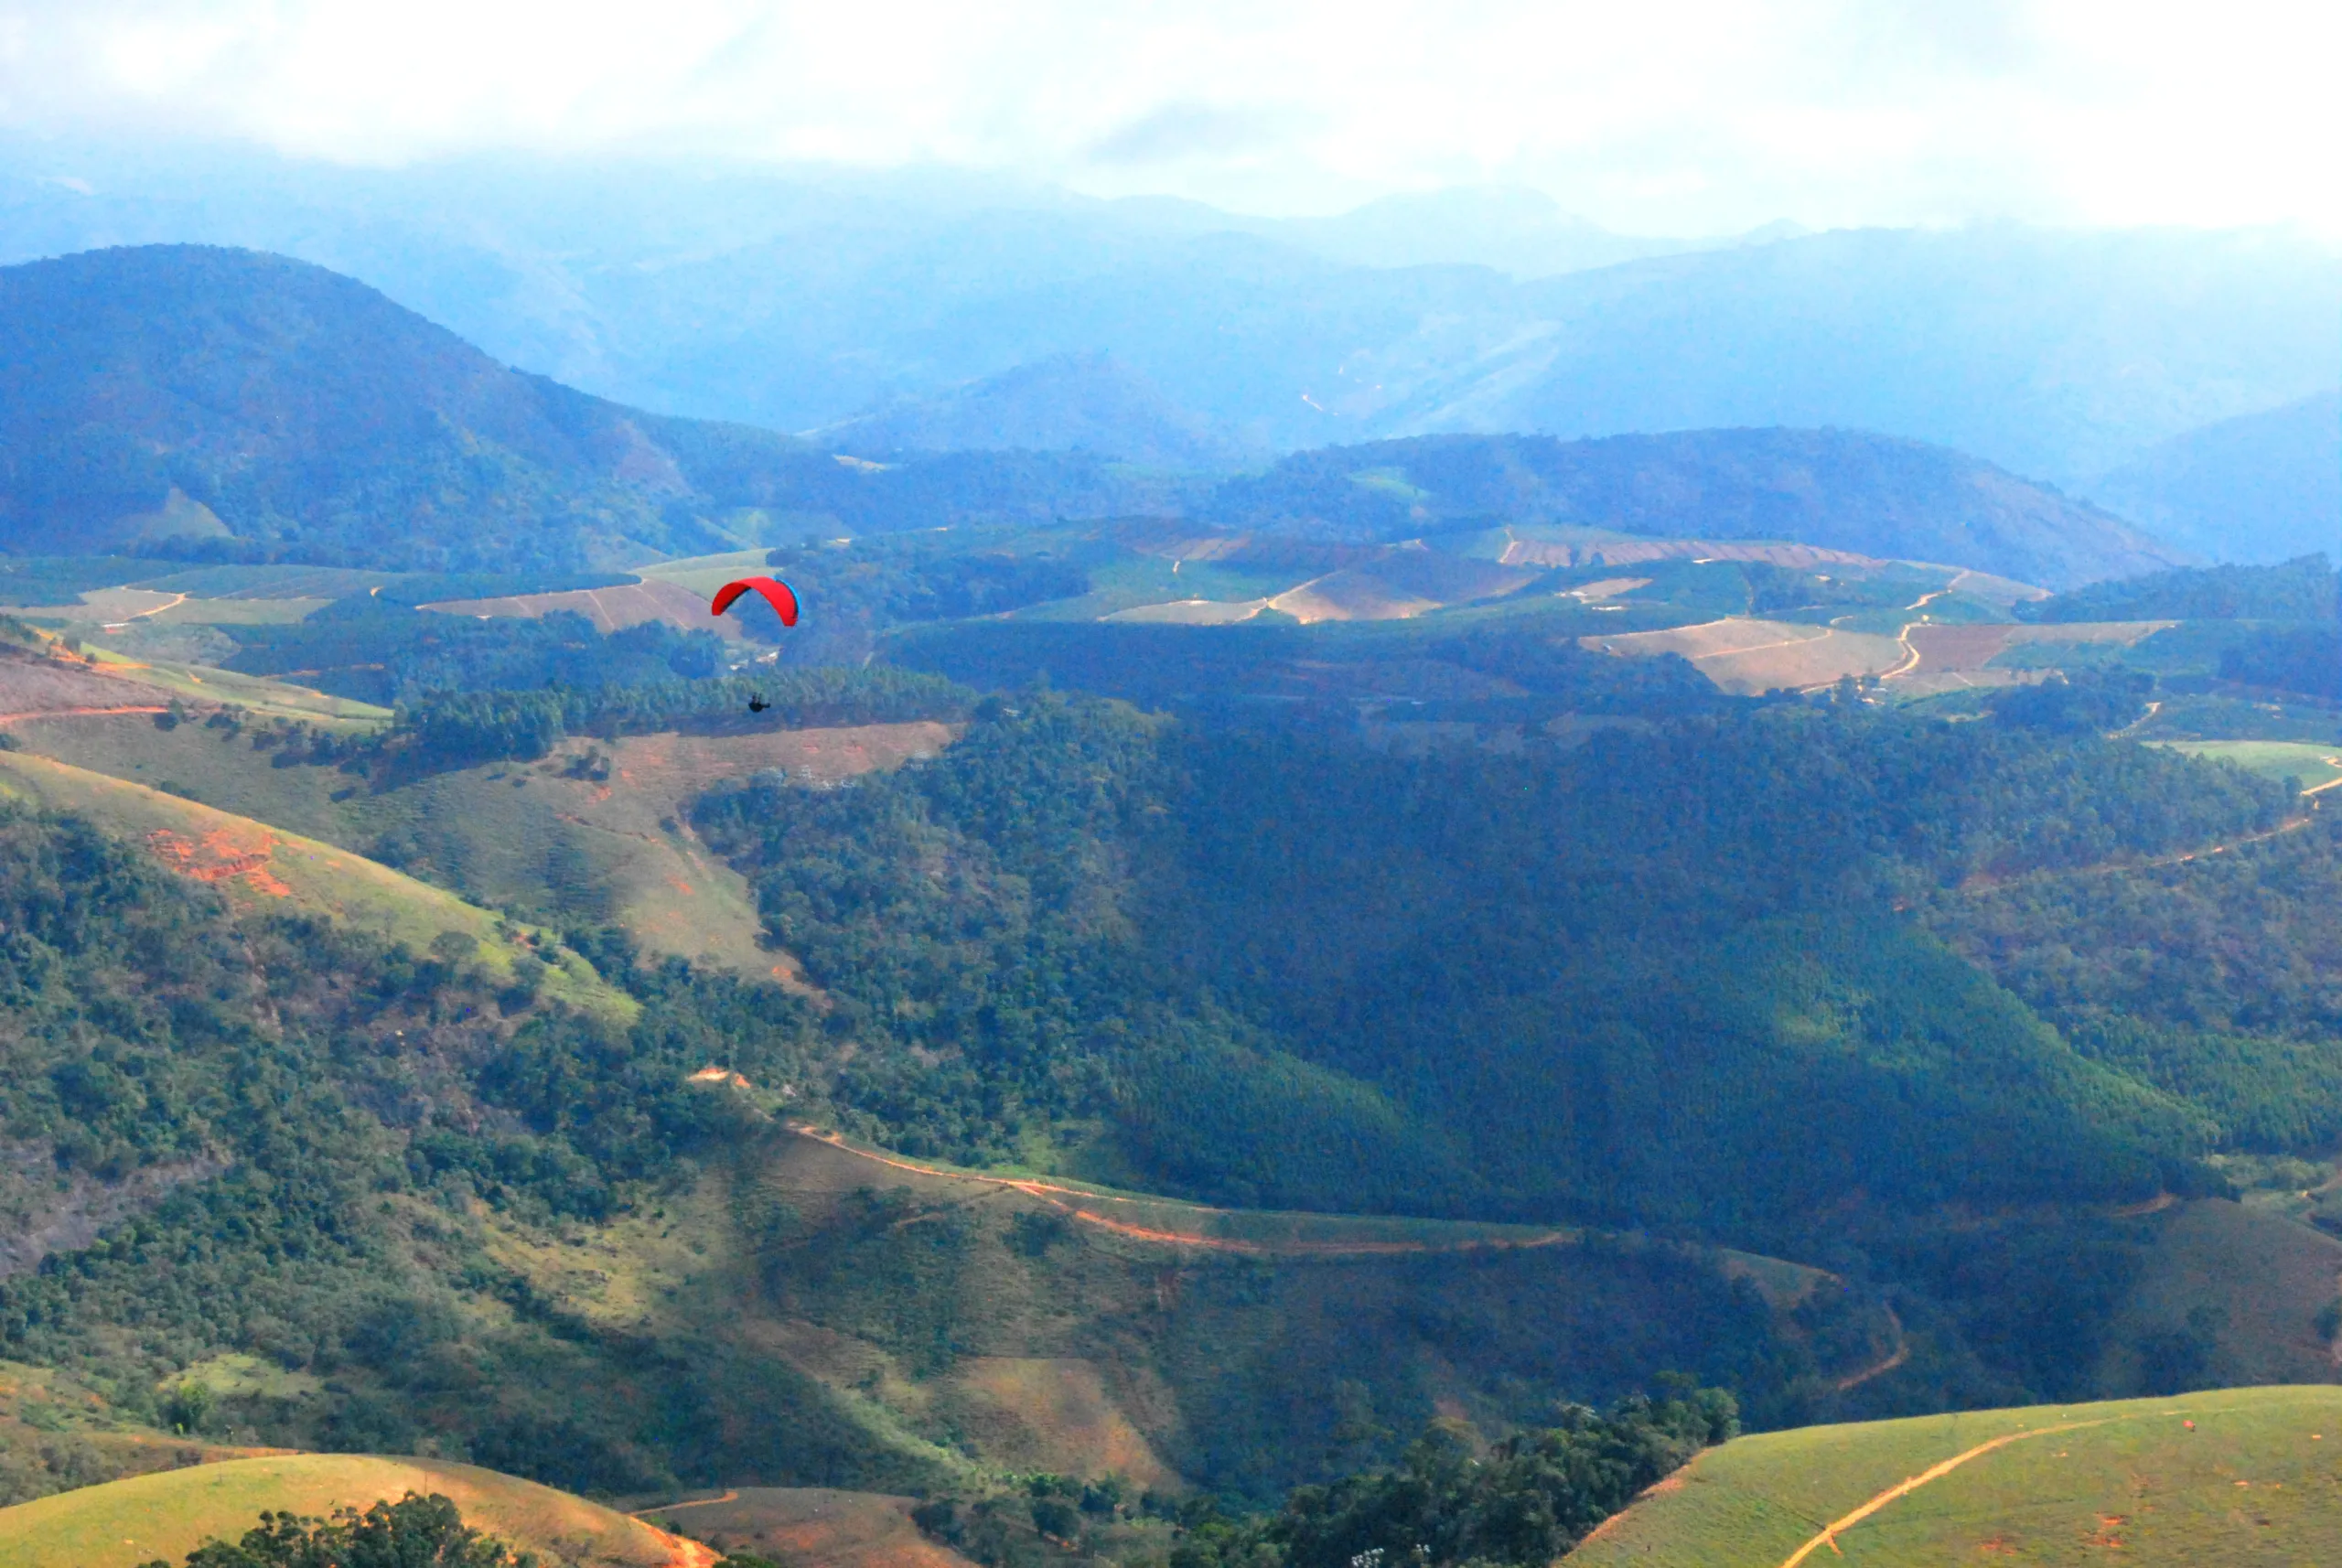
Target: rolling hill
{"points": [[2226, 1475], [244, 404], [240, 405], [2260, 488], [1871, 495], [120, 1524], [258, 866]]}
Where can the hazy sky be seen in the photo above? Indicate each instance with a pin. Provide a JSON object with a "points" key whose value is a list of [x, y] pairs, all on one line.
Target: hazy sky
{"points": [[1650, 115]]}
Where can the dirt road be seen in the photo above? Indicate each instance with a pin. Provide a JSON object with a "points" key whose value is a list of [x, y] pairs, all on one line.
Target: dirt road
{"points": [[1070, 1201]]}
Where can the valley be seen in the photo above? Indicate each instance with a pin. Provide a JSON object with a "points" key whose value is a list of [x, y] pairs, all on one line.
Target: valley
{"points": [[1403, 993]]}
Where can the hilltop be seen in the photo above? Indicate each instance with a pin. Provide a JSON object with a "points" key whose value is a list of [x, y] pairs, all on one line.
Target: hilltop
{"points": [[2230, 1476], [232, 404], [1840, 490], [127, 1523], [237, 406]]}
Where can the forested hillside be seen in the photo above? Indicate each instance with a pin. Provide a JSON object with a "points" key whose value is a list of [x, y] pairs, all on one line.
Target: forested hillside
{"points": [[234, 405], [1843, 490], [1653, 992]]}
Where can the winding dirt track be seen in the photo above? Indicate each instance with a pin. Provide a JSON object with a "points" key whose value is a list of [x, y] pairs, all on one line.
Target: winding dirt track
{"points": [[1057, 1198], [1883, 1365], [1904, 1488]]}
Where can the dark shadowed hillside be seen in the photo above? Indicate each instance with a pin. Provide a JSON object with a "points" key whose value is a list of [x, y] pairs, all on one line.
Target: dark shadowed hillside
{"points": [[1844, 490], [241, 404]]}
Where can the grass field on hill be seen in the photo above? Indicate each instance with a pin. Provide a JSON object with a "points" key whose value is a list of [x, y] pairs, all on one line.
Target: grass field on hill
{"points": [[542, 838], [169, 1514], [257, 866], [263, 696], [2317, 766], [2256, 1478]]}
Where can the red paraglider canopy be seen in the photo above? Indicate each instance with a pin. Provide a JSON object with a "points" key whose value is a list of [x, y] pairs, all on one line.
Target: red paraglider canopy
{"points": [[776, 593]]}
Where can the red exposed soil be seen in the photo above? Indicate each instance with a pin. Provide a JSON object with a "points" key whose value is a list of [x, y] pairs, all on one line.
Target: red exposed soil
{"points": [[218, 857]]}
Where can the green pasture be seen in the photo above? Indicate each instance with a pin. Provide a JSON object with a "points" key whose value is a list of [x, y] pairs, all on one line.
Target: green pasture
{"points": [[2317, 767], [264, 696], [293, 872], [168, 1514], [2256, 1479]]}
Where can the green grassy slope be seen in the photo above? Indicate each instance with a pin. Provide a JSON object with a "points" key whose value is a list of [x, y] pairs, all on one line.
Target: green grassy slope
{"points": [[2254, 1480], [259, 866], [2317, 767], [1021, 1323], [530, 838], [168, 1515]]}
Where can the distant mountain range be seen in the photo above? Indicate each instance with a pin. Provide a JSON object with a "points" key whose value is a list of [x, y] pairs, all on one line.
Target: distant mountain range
{"points": [[798, 299], [236, 406], [2263, 488], [1087, 402]]}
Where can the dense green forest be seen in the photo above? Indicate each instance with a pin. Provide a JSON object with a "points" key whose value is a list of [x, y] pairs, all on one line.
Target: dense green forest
{"points": [[324, 1119], [1664, 946], [2300, 590]]}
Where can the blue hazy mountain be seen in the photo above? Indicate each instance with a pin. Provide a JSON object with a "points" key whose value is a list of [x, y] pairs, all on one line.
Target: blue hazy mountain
{"points": [[797, 298], [1071, 402], [2261, 487], [1843, 490], [234, 404], [237, 406]]}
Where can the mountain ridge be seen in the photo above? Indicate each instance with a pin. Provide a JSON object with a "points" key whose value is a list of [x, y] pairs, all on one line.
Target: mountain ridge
{"points": [[793, 298], [1852, 491]]}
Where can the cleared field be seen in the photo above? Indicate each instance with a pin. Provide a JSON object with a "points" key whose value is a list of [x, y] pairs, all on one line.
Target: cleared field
{"points": [[2319, 768], [1192, 612], [257, 866], [610, 609], [31, 685], [1744, 655], [262, 694], [2255, 1279], [1050, 1414], [1148, 582], [275, 610], [113, 609], [1403, 584], [1579, 547], [703, 575], [813, 1525], [320, 583], [2233, 1476], [663, 885], [168, 1515]]}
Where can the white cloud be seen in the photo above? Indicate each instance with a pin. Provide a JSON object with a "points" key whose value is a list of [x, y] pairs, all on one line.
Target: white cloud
{"points": [[1668, 115]]}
